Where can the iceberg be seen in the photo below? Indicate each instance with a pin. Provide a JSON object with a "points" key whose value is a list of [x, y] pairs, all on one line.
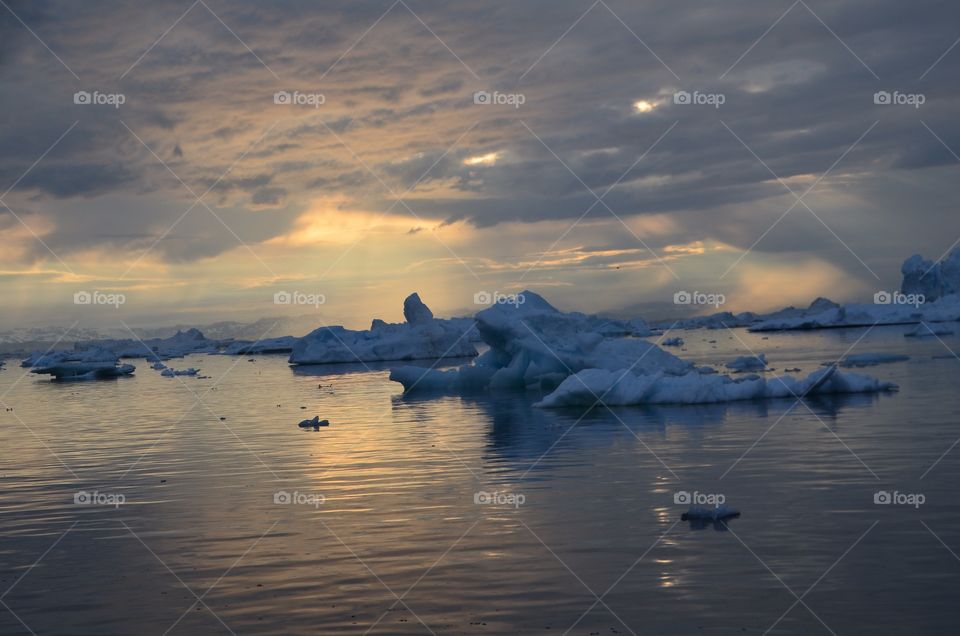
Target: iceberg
{"points": [[421, 337], [929, 292], [169, 373], [534, 345], [612, 388], [176, 346], [748, 363], [283, 344], [94, 364]]}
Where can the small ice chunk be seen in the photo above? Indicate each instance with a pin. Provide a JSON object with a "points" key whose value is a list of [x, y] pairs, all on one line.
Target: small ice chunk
{"points": [[748, 363], [169, 373], [926, 330]]}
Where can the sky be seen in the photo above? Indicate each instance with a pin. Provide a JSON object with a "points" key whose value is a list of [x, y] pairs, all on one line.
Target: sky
{"points": [[188, 161]]}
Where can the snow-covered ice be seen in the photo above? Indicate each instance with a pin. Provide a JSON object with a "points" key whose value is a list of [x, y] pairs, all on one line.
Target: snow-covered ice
{"points": [[748, 363], [535, 345], [421, 337], [93, 364], [283, 344], [616, 388], [169, 373]]}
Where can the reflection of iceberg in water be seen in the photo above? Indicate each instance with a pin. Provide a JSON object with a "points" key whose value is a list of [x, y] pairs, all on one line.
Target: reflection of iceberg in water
{"points": [[520, 434]]}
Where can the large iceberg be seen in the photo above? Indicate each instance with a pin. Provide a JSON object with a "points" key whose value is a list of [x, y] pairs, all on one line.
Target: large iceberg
{"points": [[533, 344], [421, 337]]}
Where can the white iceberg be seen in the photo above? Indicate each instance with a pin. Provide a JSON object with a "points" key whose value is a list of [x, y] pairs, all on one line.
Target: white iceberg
{"points": [[616, 388], [93, 364], [169, 373], [421, 337], [535, 345], [748, 363], [283, 344]]}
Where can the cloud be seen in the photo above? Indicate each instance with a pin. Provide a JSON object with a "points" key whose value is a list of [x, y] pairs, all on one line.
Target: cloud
{"points": [[398, 113]]}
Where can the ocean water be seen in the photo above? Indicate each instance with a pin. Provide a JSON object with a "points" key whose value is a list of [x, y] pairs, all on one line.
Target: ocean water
{"points": [[131, 507]]}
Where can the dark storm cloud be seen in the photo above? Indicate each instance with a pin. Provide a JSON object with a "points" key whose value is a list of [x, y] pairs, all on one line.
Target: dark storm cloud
{"points": [[397, 102]]}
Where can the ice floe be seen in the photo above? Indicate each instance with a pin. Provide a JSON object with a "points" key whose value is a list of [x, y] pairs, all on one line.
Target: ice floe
{"points": [[619, 388], [170, 373], [283, 344], [748, 363], [93, 364]]}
